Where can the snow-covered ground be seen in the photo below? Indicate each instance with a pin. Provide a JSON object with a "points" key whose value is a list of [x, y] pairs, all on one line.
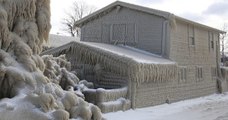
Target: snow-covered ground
{"points": [[213, 107]]}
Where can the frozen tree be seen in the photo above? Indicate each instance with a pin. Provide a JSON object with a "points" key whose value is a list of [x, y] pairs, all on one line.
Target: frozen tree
{"points": [[223, 42], [34, 87], [79, 10]]}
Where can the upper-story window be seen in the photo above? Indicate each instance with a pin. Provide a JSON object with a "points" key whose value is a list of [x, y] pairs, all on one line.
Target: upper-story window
{"points": [[118, 33], [123, 33], [212, 44], [191, 35], [211, 40]]}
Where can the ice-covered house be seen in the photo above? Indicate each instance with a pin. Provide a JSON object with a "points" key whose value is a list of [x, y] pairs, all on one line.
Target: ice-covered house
{"points": [[159, 56]]}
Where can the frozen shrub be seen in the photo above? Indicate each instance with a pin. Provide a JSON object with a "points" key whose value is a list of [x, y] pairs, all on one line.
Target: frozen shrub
{"points": [[33, 87]]}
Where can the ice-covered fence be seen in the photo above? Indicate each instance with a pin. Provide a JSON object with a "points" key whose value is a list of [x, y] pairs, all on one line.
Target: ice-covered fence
{"points": [[110, 80], [108, 100]]}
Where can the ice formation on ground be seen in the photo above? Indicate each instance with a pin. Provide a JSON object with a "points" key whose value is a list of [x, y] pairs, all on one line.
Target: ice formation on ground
{"points": [[34, 87]]}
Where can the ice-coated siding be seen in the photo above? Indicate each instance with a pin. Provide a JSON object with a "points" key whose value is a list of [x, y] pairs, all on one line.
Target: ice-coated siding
{"points": [[126, 26], [200, 55], [183, 52], [149, 94], [197, 66]]}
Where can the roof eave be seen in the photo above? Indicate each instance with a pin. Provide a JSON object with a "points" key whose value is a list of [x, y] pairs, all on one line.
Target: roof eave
{"points": [[198, 24], [163, 14], [81, 21]]}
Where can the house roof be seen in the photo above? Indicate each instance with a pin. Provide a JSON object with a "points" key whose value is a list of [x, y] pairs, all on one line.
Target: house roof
{"points": [[160, 13], [106, 9], [125, 51], [59, 40], [132, 53], [137, 65]]}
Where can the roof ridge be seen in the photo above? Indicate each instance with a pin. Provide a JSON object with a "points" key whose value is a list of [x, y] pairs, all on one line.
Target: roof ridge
{"points": [[124, 4], [165, 14]]}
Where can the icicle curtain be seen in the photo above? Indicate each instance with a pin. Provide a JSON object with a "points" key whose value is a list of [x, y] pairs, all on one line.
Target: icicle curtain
{"points": [[136, 71]]}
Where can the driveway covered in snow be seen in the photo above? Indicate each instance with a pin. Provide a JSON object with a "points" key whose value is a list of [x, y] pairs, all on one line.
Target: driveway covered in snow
{"points": [[213, 107]]}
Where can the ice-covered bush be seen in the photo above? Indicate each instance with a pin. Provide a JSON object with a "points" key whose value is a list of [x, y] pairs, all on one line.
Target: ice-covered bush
{"points": [[34, 87]]}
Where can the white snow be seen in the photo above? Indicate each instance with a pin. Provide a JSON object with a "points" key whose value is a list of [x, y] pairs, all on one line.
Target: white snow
{"points": [[133, 53], [213, 107]]}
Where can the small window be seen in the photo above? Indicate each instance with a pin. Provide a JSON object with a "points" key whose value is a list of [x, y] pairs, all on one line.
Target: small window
{"points": [[192, 40], [182, 74], [212, 44], [211, 40], [199, 73], [191, 35], [118, 33]]}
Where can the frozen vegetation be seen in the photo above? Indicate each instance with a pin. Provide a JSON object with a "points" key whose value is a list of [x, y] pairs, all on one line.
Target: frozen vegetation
{"points": [[34, 87]]}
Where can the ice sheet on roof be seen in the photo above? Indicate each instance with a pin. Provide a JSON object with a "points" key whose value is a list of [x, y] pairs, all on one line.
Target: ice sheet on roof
{"points": [[134, 53], [59, 40]]}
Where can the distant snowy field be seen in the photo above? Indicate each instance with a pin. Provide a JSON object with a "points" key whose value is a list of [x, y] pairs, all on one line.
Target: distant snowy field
{"points": [[213, 107]]}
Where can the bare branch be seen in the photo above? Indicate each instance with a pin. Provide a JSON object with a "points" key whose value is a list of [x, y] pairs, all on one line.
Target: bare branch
{"points": [[79, 10]]}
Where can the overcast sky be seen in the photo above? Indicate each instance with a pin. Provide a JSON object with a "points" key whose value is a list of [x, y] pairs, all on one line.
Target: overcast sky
{"points": [[213, 13]]}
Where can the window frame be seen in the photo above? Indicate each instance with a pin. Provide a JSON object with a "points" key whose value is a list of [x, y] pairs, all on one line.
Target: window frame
{"points": [[211, 41], [199, 73], [129, 29], [112, 39], [191, 35], [182, 74]]}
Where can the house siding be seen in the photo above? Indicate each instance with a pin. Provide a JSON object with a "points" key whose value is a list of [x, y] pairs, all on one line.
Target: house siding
{"points": [[142, 30], [198, 59], [159, 93], [199, 54], [194, 57]]}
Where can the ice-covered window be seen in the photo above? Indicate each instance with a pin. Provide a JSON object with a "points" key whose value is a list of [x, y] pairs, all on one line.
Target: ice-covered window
{"points": [[118, 33], [199, 73], [211, 41], [123, 33], [182, 74], [191, 35]]}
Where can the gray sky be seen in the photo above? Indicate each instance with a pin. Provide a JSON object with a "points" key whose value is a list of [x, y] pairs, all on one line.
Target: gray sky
{"points": [[213, 13]]}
